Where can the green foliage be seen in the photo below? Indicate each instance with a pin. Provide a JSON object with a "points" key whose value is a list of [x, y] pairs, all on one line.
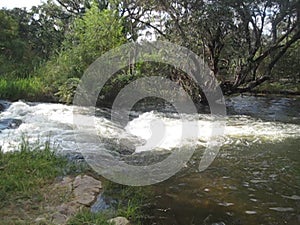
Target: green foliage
{"points": [[241, 41], [67, 90], [24, 171], [47, 28], [131, 210], [288, 66], [8, 25], [57, 41], [96, 32], [21, 88], [120, 80], [279, 87], [90, 36], [12, 48], [28, 38], [8, 32]]}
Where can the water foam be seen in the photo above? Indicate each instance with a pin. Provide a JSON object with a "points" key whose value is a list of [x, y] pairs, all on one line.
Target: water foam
{"points": [[237, 127], [55, 122]]}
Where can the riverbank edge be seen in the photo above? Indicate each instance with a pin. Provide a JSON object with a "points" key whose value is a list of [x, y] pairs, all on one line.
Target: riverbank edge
{"points": [[28, 201], [33, 90]]}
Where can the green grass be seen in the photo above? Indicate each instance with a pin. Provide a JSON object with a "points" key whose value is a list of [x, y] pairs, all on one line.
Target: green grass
{"points": [[278, 87], [30, 89], [130, 200], [85, 217], [24, 171]]}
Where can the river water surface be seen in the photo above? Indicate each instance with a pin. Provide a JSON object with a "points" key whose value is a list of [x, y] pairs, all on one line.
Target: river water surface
{"points": [[255, 178]]}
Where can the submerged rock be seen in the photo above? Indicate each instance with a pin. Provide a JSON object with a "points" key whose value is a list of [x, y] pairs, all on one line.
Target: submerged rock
{"points": [[9, 123], [100, 204], [4, 105], [75, 157]]}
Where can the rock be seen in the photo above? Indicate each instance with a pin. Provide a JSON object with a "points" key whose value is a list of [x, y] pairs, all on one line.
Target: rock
{"points": [[74, 157], [100, 204], [66, 180], [4, 105], [1, 108], [119, 221], [68, 209], [66, 183], [79, 192], [85, 198], [59, 218], [10, 123], [86, 189]]}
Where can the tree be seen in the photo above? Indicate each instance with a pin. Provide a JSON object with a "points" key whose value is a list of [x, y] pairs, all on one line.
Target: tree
{"points": [[48, 24], [79, 7], [8, 34], [90, 35], [29, 37], [288, 67], [241, 40], [95, 33], [12, 47]]}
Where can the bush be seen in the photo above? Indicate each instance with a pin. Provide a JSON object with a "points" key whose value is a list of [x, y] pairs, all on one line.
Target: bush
{"points": [[67, 90], [87, 40]]}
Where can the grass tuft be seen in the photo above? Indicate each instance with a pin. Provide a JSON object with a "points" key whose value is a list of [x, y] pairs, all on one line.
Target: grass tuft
{"points": [[86, 217], [130, 200], [24, 171]]}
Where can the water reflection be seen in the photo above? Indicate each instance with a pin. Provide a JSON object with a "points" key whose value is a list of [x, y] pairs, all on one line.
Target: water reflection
{"points": [[257, 184], [271, 108]]}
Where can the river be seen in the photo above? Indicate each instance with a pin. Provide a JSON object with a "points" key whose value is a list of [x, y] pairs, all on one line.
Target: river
{"points": [[255, 178]]}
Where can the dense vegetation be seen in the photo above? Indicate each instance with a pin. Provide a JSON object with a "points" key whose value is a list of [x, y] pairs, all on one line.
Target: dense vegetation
{"points": [[45, 50]]}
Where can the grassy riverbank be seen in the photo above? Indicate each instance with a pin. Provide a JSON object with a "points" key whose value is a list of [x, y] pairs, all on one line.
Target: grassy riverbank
{"points": [[34, 90], [29, 89], [28, 188], [278, 88]]}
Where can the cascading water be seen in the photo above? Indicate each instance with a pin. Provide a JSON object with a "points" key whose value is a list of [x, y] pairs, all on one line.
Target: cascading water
{"points": [[55, 122]]}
